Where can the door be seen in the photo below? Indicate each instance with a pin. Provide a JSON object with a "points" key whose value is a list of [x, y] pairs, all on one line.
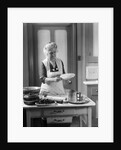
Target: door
{"points": [[64, 35]]}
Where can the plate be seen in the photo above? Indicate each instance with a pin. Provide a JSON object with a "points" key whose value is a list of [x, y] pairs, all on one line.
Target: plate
{"points": [[67, 76], [29, 102], [79, 102], [39, 104]]}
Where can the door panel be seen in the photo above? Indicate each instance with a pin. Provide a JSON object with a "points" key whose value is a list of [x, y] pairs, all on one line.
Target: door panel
{"points": [[43, 38], [61, 41], [64, 35]]}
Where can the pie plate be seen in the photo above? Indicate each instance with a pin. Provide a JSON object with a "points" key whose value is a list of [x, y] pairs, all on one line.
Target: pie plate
{"points": [[79, 102], [40, 104], [67, 76]]}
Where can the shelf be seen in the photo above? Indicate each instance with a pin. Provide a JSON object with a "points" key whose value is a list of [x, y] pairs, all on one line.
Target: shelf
{"points": [[95, 82]]}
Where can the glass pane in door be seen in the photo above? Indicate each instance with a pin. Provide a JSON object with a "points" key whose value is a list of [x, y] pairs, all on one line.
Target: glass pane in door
{"points": [[61, 41], [43, 38]]}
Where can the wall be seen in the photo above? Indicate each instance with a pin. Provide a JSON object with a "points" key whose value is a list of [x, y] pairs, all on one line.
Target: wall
{"points": [[25, 56], [79, 55], [85, 46]]}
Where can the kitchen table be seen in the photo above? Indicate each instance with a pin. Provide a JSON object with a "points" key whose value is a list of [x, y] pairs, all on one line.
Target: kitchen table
{"points": [[59, 111]]}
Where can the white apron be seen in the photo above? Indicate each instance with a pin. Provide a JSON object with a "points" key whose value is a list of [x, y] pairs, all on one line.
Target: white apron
{"points": [[54, 88]]}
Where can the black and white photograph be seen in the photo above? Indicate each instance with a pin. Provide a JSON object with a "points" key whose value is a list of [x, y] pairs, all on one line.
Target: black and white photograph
{"points": [[60, 74], [60, 70]]}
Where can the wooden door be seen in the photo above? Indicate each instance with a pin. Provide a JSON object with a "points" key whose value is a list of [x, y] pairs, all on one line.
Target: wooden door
{"points": [[64, 35]]}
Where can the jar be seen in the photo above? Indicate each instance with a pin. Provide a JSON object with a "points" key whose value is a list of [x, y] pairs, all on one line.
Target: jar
{"points": [[71, 95]]}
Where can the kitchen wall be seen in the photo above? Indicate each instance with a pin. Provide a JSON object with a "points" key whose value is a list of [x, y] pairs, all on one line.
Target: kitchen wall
{"points": [[87, 50], [80, 58]]}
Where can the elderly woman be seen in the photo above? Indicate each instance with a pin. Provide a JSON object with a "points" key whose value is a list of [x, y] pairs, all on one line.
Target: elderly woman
{"points": [[51, 69]]}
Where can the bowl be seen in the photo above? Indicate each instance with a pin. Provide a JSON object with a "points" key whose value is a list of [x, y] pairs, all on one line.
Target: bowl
{"points": [[29, 97], [32, 102], [31, 90]]}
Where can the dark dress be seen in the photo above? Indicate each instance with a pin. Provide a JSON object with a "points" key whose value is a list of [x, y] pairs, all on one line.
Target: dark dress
{"points": [[43, 71]]}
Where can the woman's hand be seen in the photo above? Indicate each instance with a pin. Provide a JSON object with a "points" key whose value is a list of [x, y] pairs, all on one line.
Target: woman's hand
{"points": [[58, 78], [55, 79]]}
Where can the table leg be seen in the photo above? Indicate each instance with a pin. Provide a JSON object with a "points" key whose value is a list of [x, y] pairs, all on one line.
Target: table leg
{"points": [[28, 117], [89, 116], [80, 121]]}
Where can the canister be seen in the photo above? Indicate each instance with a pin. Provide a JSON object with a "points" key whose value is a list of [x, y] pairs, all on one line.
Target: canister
{"points": [[71, 95]]}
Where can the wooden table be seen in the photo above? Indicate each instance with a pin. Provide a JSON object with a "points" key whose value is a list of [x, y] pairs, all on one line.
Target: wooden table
{"points": [[64, 110]]}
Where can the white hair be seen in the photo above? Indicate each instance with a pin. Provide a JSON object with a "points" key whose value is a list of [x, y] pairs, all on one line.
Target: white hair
{"points": [[49, 47]]}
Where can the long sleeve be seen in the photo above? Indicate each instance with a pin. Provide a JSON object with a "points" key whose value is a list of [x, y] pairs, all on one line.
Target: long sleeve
{"points": [[43, 73], [63, 67]]}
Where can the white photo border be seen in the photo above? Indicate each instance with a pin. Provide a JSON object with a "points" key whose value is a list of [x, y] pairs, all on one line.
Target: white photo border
{"points": [[16, 18]]}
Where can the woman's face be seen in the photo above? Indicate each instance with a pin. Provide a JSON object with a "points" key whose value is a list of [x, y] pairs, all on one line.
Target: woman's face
{"points": [[52, 54]]}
